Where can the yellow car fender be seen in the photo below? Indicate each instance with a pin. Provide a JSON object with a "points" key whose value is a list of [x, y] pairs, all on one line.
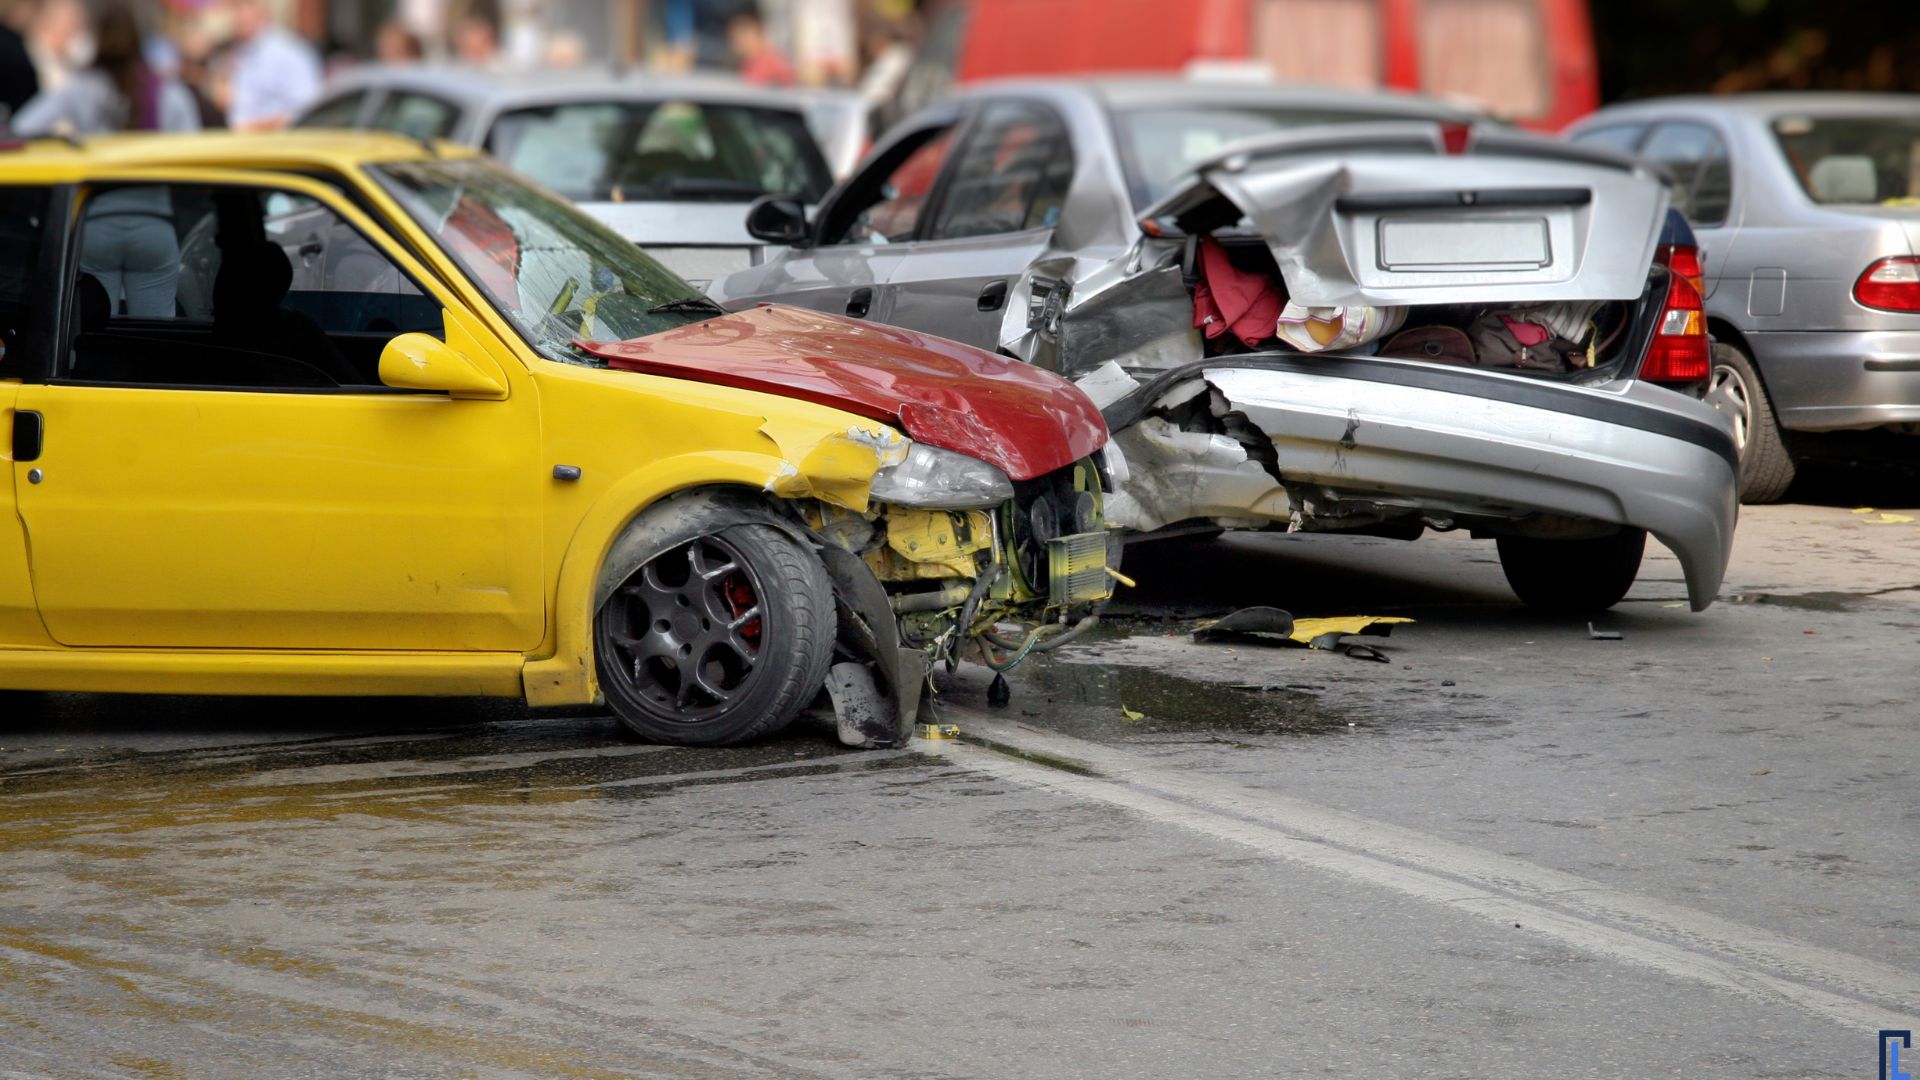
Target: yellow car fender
{"points": [[837, 468]]}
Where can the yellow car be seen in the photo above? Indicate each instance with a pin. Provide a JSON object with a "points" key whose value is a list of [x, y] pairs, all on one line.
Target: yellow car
{"points": [[353, 414]]}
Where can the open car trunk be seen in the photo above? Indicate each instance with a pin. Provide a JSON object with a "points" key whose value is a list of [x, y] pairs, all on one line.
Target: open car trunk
{"points": [[1456, 344], [1383, 214]]}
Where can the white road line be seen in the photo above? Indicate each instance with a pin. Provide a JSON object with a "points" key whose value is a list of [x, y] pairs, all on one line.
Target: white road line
{"points": [[1754, 963]]}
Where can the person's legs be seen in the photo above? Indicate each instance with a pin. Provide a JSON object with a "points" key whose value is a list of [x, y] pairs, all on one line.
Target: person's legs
{"points": [[101, 248], [151, 264]]}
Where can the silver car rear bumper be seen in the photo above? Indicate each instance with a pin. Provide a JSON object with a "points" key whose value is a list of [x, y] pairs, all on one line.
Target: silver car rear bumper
{"points": [[1838, 379], [1459, 444]]}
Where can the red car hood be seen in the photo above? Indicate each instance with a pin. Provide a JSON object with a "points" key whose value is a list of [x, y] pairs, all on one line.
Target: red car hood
{"points": [[1025, 421]]}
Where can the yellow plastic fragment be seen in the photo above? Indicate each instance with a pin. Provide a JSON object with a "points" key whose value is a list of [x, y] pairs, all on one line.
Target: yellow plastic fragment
{"points": [[1130, 715], [1305, 630], [937, 731], [1864, 510], [1890, 519]]}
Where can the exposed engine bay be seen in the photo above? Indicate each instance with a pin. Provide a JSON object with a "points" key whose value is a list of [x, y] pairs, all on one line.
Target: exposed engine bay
{"points": [[924, 588]]}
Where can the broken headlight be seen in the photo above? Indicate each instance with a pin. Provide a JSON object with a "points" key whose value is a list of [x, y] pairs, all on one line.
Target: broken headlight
{"points": [[936, 479]]}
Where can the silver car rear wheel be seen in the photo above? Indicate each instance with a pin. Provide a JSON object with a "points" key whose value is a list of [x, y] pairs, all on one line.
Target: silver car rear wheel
{"points": [[1572, 576], [1735, 389]]}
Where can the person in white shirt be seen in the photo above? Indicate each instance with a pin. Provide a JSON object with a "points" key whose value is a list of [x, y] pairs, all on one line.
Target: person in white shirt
{"points": [[275, 74]]}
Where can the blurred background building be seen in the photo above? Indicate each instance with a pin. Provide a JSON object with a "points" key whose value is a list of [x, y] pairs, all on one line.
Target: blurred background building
{"points": [[1538, 62]]}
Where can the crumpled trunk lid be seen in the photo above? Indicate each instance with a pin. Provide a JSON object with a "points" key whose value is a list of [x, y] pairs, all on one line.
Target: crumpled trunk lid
{"points": [[1385, 215]]}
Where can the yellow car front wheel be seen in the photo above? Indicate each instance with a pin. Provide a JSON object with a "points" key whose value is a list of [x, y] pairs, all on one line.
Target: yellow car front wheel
{"points": [[719, 637]]}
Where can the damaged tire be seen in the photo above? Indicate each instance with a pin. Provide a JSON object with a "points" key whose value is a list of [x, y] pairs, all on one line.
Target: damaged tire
{"points": [[715, 632], [1572, 576]]}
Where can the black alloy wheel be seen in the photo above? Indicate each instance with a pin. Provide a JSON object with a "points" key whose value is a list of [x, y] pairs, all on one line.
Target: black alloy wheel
{"points": [[719, 639]]}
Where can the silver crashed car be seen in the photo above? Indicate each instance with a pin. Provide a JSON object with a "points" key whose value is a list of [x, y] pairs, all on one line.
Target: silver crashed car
{"points": [[1101, 229], [671, 164], [1807, 207]]}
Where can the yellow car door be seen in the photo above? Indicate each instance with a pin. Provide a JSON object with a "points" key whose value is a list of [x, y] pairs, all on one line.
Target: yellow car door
{"points": [[219, 465], [25, 266]]}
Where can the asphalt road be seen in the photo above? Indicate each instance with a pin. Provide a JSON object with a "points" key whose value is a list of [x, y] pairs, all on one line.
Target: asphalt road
{"points": [[1512, 850]]}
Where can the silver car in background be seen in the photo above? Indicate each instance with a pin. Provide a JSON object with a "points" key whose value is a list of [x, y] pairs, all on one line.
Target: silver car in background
{"points": [[671, 164], [1807, 208], [1059, 222]]}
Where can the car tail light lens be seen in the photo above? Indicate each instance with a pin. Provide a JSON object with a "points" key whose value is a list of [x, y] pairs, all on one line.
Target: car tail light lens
{"points": [[1684, 259], [1680, 350], [1890, 285]]}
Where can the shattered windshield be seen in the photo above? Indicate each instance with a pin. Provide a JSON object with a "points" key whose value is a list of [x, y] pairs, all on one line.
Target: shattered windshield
{"points": [[1854, 159], [1160, 144], [558, 274], [672, 151]]}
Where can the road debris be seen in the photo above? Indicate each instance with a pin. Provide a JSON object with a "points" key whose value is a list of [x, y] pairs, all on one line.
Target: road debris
{"points": [[1602, 635], [1246, 625]]}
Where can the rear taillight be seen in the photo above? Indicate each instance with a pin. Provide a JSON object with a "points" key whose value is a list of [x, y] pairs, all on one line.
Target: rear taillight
{"points": [[1680, 352], [1890, 285], [1684, 259]]}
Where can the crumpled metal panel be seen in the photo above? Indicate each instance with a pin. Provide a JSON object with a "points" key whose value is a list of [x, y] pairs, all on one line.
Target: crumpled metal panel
{"points": [[1072, 315], [1598, 219], [1174, 475]]}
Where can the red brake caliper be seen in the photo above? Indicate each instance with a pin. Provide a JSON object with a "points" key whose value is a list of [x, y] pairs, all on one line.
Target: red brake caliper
{"points": [[740, 598]]}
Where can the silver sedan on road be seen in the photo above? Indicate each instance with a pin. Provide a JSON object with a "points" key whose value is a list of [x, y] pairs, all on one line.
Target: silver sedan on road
{"points": [[1807, 207], [670, 164], [1305, 310]]}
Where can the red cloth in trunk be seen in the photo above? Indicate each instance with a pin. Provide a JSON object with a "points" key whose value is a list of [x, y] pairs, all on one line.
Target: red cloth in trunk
{"points": [[1231, 299]]}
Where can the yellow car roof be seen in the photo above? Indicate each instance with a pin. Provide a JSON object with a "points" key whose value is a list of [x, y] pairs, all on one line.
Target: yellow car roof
{"points": [[55, 160]]}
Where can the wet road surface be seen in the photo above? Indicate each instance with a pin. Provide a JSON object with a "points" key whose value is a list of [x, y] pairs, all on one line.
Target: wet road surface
{"points": [[1270, 862]]}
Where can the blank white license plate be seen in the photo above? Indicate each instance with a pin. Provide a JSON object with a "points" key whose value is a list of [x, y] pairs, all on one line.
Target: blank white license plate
{"points": [[1431, 243]]}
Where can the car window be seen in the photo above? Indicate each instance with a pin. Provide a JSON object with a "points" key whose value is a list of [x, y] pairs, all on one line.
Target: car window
{"points": [[233, 286], [884, 204], [1011, 175], [1853, 159], [1159, 144], [23, 218], [1622, 137], [416, 116], [1702, 180], [339, 112], [678, 151], [558, 274]]}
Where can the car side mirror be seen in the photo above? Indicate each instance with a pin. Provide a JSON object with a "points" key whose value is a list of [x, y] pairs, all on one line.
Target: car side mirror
{"points": [[777, 219], [424, 362]]}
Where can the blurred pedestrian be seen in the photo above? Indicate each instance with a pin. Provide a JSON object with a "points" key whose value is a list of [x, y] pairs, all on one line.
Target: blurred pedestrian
{"points": [[18, 83], [754, 55], [565, 51], [818, 36], [275, 73], [476, 37], [203, 65], [394, 44], [59, 41], [889, 56], [128, 244], [119, 91]]}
